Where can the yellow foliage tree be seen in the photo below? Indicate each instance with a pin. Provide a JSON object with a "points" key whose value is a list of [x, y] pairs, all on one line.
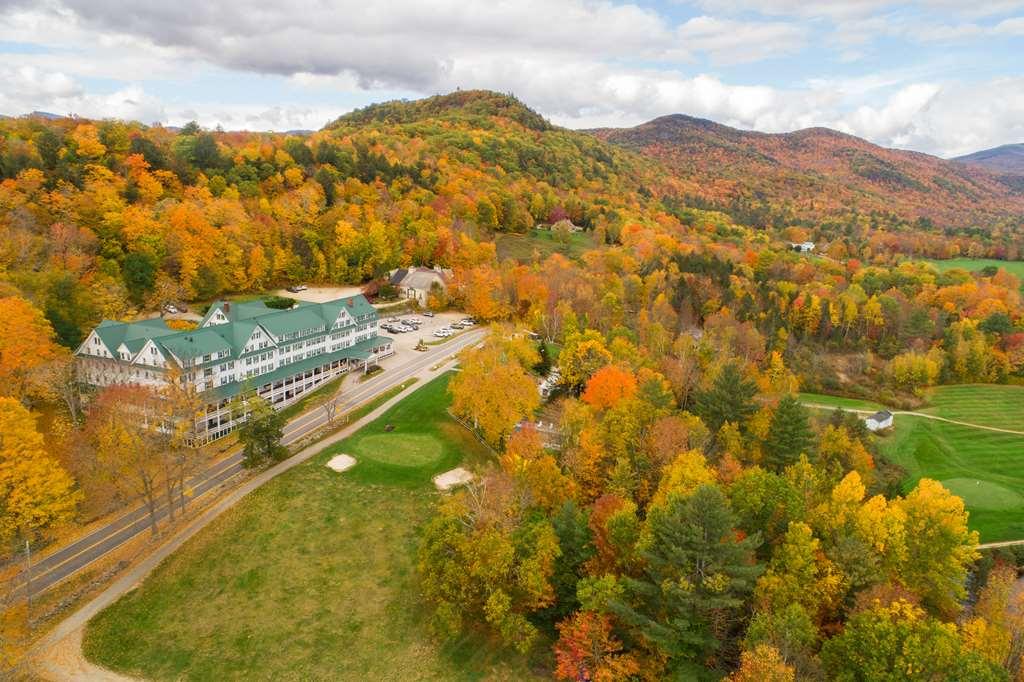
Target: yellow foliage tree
{"points": [[27, 347], [763, 664], [492, 391], [36, 493]]}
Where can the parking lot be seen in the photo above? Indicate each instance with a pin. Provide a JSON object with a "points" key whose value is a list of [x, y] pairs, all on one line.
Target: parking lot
{"points": [[405, 343]]}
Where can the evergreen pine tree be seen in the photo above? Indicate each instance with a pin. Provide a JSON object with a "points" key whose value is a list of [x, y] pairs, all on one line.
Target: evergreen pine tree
{"points": [[789, 435], [696, 575], [730, 398]]}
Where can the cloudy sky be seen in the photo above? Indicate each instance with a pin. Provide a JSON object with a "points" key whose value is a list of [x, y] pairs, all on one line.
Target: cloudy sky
{"points": [[939, 76]]}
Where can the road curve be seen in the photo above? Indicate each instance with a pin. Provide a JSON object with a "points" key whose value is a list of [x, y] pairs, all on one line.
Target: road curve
{"points": [[56, 566]]}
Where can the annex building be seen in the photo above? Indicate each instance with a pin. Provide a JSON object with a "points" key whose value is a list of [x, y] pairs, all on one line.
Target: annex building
{"points": [[277, 354]]}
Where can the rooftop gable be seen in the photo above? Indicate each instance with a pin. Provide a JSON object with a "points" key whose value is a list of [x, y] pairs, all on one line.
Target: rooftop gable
{"points": [[194, 344]]}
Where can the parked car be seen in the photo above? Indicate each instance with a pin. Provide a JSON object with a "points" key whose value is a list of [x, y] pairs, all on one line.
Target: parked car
{"points": [[467, 321], [296, 288], [428, 313], [171, 309]]}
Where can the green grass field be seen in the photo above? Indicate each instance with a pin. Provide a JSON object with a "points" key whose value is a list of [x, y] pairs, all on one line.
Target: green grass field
{"points": [[988, 405], [521, 246], [985, 468], [311, 577], [837, 401], [1014, 267]]}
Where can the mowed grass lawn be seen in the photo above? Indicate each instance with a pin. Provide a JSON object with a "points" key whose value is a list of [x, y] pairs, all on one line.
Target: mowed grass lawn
{"points": [[985, 404], [1014, 267], [311, 577], [985, 468], [838, 401]]}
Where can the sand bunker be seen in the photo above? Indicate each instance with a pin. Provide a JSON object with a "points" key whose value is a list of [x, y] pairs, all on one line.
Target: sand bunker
{"points": [[342, 462], [453, 478]]}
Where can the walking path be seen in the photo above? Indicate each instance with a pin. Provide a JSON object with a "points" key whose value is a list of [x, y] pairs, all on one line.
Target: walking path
{"points": [[58, 656], [1004, 543], [915, 414]]}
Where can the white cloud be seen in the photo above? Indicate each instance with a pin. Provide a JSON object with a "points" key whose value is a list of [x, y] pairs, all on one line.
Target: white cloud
{"points": [[1010, 27], [833, 9], [735, 42], [583, 63], [29, 89], [847, 9]]}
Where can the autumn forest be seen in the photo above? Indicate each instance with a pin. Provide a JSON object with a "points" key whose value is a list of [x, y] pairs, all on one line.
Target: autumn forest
{"points": [[692, 517]]}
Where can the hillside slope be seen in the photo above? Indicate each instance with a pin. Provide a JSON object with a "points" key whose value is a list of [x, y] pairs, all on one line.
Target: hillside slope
{"points": [[1006, 162], [818, 173]]}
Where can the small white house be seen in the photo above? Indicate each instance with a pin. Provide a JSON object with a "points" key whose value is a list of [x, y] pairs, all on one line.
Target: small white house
{"points": [[802, 247], [879, 420]]}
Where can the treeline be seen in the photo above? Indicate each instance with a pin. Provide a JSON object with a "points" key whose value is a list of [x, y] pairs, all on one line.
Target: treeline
{"points": [[99, 219], [688, 518], [695, 521]]}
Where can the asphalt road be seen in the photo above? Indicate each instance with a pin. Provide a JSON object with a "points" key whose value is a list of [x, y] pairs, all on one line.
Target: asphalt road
{"points": [[56, 566]]}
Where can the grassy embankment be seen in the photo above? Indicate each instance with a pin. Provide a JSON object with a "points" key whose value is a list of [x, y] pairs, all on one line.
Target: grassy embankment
{"points": [[313, 575]]}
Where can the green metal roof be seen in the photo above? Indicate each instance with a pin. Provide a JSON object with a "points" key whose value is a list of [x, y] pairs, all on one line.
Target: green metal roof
{"points": [[235, 311], [113, 334], [237, 334], [195, 344], [359, 351], [294, 320], [233, 335]]}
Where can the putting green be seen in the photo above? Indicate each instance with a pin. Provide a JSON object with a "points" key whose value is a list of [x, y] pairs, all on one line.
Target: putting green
{"points": [[401, 449], [982, 494]]}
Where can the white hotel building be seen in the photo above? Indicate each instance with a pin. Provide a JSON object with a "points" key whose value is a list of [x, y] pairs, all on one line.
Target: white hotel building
{"points": [[278, 354]]}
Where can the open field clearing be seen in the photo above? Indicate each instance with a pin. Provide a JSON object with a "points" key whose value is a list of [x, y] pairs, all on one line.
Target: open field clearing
{"points": [[521, 246], [312, 576], [1014, 267], [984, 404], [838, 401], [985, 468]]}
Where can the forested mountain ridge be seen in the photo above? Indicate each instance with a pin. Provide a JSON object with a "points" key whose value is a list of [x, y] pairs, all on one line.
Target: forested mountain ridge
{"points": [[697, 519], [100, 218], [1008, 159], [1006, 162], [818, 173], [481, 103]]}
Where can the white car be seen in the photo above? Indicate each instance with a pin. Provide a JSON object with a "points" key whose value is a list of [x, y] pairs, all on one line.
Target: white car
{"points": [[171, 309], [442, 333]]}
